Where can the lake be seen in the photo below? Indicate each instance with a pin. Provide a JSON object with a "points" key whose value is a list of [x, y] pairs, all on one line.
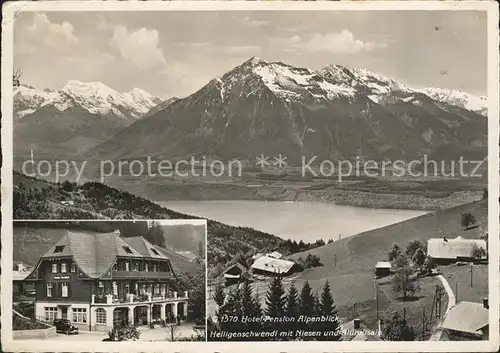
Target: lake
{"points": [[307, 221]]}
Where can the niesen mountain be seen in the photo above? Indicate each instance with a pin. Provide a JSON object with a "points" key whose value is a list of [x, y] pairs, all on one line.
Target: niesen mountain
{"points": [[79, 116], [270, 108]]}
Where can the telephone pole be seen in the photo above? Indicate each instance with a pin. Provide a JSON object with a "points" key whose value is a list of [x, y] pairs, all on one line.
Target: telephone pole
{"points": [[423, 324], [471, 274]]}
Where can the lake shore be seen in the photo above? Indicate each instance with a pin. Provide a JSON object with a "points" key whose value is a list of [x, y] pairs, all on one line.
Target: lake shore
{"points": [[307, 221]]}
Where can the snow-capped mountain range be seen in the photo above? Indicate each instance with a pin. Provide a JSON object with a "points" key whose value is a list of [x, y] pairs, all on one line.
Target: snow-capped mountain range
{"points": [[268, 108], [94, 97]]}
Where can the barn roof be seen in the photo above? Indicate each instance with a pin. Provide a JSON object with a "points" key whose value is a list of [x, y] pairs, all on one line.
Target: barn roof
{"points": [[383, 264], [466, 317], [438, 248], [269, 264]]}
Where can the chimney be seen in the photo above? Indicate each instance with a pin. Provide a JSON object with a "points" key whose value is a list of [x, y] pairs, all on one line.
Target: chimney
{"points": [[485, 303], [357, 324]]}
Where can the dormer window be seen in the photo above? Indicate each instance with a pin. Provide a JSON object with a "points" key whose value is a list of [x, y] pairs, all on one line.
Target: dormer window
{"points": [[58, 249], [155, 252], [127, 250]]}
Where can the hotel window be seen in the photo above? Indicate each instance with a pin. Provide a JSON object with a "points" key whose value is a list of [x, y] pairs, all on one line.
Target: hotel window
{"points": [[50, 313], [50, 286], [162, 287], [80, 315], [100, 316], [73, 268], [64, 290], [157, 288], [136, 266], [146, 267], [127, 288], [54, 268], [58, 249], [63, 268], [115, 266], [115, 288], [127, 266], [154, 268]]}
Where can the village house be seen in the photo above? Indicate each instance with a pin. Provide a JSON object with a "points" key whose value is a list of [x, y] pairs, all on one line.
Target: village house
{"points": [[383, 268], [20, 287], [95, 280], [233, 273], [467, 321], [269, 265], [445, 251], [354, 330]]}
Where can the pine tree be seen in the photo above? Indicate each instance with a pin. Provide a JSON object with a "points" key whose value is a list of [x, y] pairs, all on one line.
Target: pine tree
{"points": [[306, 300], [250, 308], [231, 308], [328, 309], [219, 295], [275, 298], [292, 302]]}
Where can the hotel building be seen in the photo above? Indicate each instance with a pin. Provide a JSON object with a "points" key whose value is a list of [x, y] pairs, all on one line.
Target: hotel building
{"points": [[96, 279]]}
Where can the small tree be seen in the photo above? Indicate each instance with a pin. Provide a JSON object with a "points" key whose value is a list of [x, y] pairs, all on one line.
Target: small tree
{"points": [[418, 258], [401, 261], [219, 295], [403, 284], [413, 246], [478, 252], [394, 251], [397, 329], [173, 331], [429, 265], [467, 220]]}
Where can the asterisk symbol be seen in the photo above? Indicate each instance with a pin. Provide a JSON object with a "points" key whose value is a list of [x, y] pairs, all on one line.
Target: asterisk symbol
{"points": [[262, 161], [280, 161]]}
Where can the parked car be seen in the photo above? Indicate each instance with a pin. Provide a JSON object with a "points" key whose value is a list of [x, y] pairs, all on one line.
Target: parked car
{"points": [[65, 326]]}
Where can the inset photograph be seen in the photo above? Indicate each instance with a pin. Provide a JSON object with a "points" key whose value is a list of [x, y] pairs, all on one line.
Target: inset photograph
{"points": [[109, 280]]}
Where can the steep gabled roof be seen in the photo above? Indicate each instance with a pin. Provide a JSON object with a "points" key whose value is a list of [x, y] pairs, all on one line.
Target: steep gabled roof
{"points": [[144, 247], [269, 264], [95, 253], [467, 317], [438, 248]]}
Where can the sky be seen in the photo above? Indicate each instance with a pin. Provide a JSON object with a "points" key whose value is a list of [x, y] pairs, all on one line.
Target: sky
{"points": [[174, 53]]}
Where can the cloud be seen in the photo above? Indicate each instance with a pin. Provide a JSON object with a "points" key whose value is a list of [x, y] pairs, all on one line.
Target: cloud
{"points": [[141, 48], [41, 32], [339, 43], [241, 49], [254, 23]]}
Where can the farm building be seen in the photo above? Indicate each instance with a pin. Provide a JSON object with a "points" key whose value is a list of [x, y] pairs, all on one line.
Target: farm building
{"points": [[269, 265], [275, 255], [20, 286], [446, 251], [467, 321], [233, 273], [354, 330], [383, 268]]}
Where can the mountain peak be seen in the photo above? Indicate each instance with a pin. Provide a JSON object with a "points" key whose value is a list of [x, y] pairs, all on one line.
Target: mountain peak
{"points": [[255, 60]]}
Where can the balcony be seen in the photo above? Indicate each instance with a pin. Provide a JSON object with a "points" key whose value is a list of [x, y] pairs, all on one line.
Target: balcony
{"points": [[109, 299], [139, 275]]}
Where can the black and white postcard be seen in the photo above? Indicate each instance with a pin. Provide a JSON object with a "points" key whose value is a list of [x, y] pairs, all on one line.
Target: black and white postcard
{"points": [[218, 176]]}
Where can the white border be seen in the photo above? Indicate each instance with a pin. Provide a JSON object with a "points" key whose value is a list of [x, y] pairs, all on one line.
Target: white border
{"points": [[9, 11]]}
